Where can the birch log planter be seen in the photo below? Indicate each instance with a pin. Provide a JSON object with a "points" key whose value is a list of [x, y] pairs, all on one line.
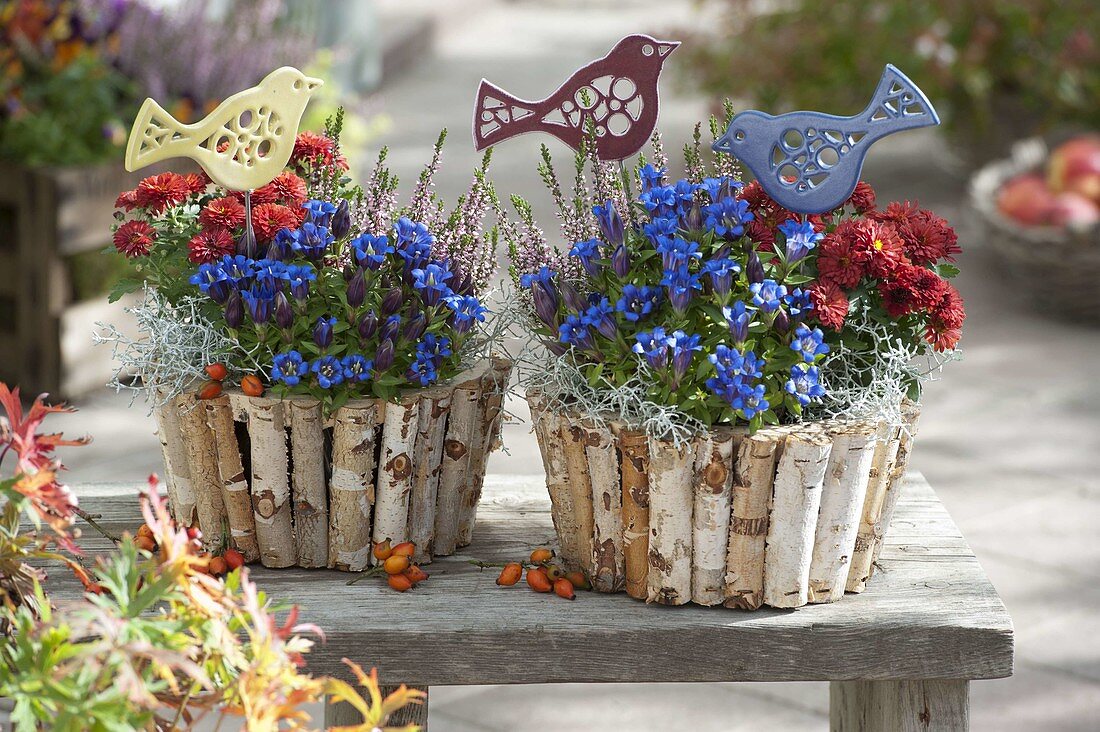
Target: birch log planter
{"points": [[785, 517], [289, 486]]}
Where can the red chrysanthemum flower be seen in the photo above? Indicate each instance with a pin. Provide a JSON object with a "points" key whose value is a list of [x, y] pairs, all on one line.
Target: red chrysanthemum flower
{"points": [[134, 238], [838, 259], [928, 238], [928, 287], [197, 182], [287, 189], [309, 147], [830, 304], [862, 198], [762, 234], [879, 246], [910, 289], [949, 310], [222, 213], [127, 200], [942, 339], [210, 245], [754, 194], [265, 194], [158, 192], [269, 218]]}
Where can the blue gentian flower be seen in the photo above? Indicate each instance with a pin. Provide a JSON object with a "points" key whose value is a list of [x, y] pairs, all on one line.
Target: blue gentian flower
{"points": [[684, 190], [424, 373], [661, 227], [299, 277], [659, 200], [651, 177], [269, 272], [282, 245], [600, 315], [328, 370], [370, 251], [676, 252], [681, 285], [638, 302], [721, 273], [574, 332], [721, 187], [238, 268], [683, 347], [546, 302], [611, 223], [808, 343], [728, 216], [544, 276], [801, 238], [289, 367], [259, 301], [465, 311], [320, 212], [311, 241], [587, 252], [322, 332], [798, 303], [414, 242], [752, 366], [213, 282], [653, 346], [357, 368], [767, 295], [751, 401], [804, 384], [738, 318], [431, 282]]}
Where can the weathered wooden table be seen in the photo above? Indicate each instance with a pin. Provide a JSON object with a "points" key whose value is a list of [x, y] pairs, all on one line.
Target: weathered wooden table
{"points": [[900, 656]]}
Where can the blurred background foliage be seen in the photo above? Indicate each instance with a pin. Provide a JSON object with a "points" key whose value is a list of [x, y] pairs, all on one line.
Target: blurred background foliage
{"points": [[995, 70]]}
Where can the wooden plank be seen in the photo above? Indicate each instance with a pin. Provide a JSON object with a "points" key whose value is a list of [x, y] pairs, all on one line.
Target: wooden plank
{"points": [[932, 705], [929, 613]]}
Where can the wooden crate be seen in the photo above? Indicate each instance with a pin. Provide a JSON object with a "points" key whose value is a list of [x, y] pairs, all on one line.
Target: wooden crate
{"points": [[46, 216]]}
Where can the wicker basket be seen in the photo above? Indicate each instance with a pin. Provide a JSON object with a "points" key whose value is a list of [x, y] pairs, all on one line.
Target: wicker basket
{"points": [[1036, 258], [787, 516], [287, 486]]}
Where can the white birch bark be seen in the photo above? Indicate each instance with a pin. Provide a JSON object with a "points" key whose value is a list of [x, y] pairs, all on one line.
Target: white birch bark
{"points": [[461, 427], [842, 497], [796, 498], [177, 470], [711, 516], [910, 414], [580, 485], [493, 387], [270, 482], [395, 471], [235, 492], [882, 464], [671, 497], [351, 487], [548, 432], [608, 567], [202, 461], [427, 464], [634, 470], [309, 494], [753, 477]]}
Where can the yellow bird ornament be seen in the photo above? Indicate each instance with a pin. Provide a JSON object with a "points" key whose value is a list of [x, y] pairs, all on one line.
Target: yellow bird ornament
{"points": [[242, 145]]}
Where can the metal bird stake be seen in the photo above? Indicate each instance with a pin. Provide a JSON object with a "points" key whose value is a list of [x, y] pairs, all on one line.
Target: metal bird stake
{"points": [[809, 162], [242, 145], [616, 95]]}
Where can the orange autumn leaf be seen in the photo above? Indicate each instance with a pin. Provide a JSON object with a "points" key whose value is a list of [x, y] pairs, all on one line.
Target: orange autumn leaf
{"points": [[378, 710]]}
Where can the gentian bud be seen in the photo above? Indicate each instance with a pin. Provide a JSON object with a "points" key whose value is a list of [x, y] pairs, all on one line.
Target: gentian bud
{"points": [[546, 304], [390, 328], [218, 291], [284, 313], [368, 325], [556, 348], [415, 327], [340, 225], [322, 332], [611, 224], [738, 318], [383, 357], [694, 219], [391, 303], [247, 245], [782, 322], [234, 310], [357, 289], [620, 261], [572, 298], [754, 268]]}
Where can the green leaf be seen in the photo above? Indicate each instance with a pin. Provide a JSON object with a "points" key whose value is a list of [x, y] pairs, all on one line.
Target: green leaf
{"points": [[124, 287]]}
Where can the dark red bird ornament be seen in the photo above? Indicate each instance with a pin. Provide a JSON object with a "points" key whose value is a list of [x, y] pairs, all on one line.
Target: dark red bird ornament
{"points": [[617, 92]]}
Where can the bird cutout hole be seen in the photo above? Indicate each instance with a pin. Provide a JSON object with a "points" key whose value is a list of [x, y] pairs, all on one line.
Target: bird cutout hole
{"points": [[616, 96], [809, 162], [242, 145]]}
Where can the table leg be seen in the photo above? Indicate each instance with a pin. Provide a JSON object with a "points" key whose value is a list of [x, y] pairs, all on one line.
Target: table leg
{"points": [[342, 713], [933, 705]]}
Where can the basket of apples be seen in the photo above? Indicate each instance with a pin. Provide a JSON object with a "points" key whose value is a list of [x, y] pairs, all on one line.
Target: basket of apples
{"points": [[1041, 210]]}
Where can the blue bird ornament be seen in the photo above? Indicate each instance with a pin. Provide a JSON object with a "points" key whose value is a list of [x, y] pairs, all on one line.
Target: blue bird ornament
{"points": [[809, 162]]}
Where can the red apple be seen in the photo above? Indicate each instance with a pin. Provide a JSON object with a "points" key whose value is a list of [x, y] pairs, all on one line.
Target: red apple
{"points": [[1075, 166], [1074, 211], [1026, 199]]}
